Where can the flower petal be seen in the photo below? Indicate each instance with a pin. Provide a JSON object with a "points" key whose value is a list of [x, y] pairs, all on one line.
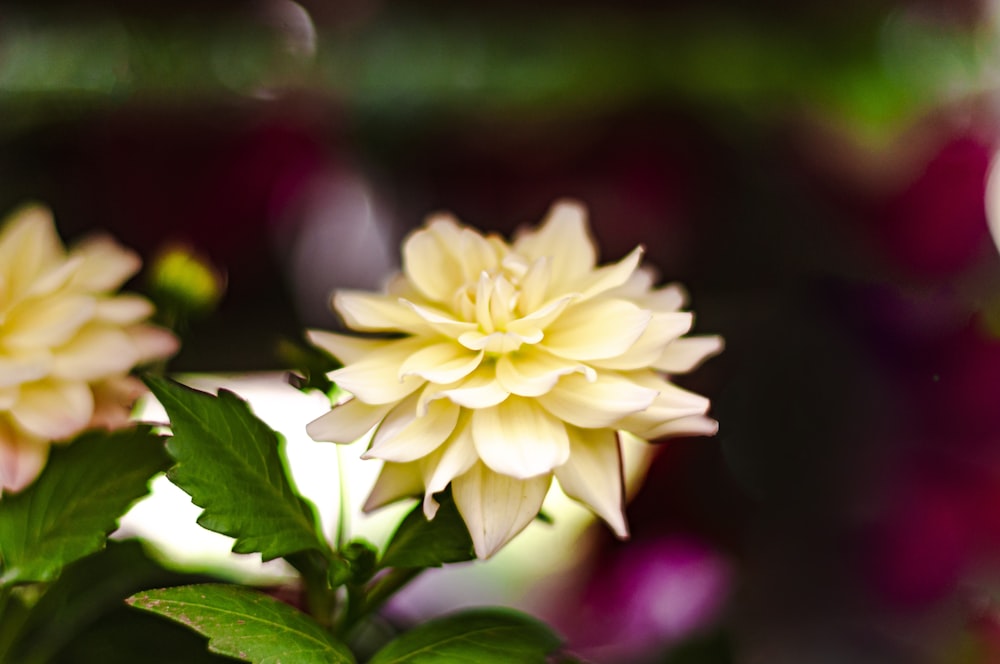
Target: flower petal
{"points": [[479, 390], [593, 475], [95, 352], [596, 329], [106, 264], [395, 481], [48, 321], [691, 425], [152, 343], [344, 347], [123, 309], [442, 363], [519, 438], [449, 461], [496, 507], [562, 237], [29, 247], [664, 328], [347, 422], [428, 259], [21, 459], [686, 354], [598, 403], [53, 410], [535, 372], [375, 379], [440, 320], [610, 276], [14, 371], [406, 436], [370, 312], [671, 403]]}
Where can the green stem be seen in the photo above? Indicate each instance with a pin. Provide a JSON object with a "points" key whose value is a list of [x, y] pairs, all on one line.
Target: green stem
{"points": [[321, 600], [10, 622], [342, 517], [362, 603]]}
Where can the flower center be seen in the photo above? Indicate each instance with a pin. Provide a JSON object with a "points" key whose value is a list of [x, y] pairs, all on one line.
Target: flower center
{"points": [[498, 300]]}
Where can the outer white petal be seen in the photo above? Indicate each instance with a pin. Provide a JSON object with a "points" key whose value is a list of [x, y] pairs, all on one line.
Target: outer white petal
{"points": [[375, 379], [95, 352], [669, 298], [476, 254], [370, 312], [663, 329], [593, 475], [480, 390], [496, 507], [151, 342], [445, 362], [610, 276], [47, 322], [347, 422], [21, 460], [123, 309], [596, 329], [345, 348], [534, 372], [686, 354], [396, 481], [598, 403], [690, 425], [53, 410], [405, 436], [429, 261], [449, 461], [562, 237], [637, 285], [106, 264], [519, 438], [671, 403]]}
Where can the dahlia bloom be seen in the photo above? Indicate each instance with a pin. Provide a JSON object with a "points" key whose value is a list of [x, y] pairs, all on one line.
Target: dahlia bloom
{"points": [[519, 362], [67, 342]]}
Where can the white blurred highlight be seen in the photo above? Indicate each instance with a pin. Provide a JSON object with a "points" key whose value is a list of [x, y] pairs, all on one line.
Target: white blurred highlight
{"points": [[167, 518]]}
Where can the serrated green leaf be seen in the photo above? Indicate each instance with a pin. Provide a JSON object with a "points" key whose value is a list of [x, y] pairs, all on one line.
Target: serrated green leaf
{"points": [[81, 617], [477, 636], [246, 624], [422, 543], [230, 463], [70, 509]]}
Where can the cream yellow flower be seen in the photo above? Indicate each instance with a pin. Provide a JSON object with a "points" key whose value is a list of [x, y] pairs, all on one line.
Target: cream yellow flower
{"points": [[520, 362], [67, 342]]}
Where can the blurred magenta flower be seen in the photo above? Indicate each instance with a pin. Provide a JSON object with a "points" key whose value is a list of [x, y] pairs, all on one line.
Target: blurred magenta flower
{"points": [[652, 594]]}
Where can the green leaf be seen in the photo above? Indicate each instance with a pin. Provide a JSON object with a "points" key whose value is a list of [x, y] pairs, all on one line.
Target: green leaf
{"points": [[82, 617], [422, 543], [230, 463], [76, 501], [246, 624], [478, 636]]}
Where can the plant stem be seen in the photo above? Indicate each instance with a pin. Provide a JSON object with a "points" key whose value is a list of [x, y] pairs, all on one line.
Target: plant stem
{"points": [[361, 603], [342, 517]]}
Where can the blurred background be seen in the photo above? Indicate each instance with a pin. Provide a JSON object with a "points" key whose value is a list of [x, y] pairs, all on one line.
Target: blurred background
{"points": [[815, 173]]}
